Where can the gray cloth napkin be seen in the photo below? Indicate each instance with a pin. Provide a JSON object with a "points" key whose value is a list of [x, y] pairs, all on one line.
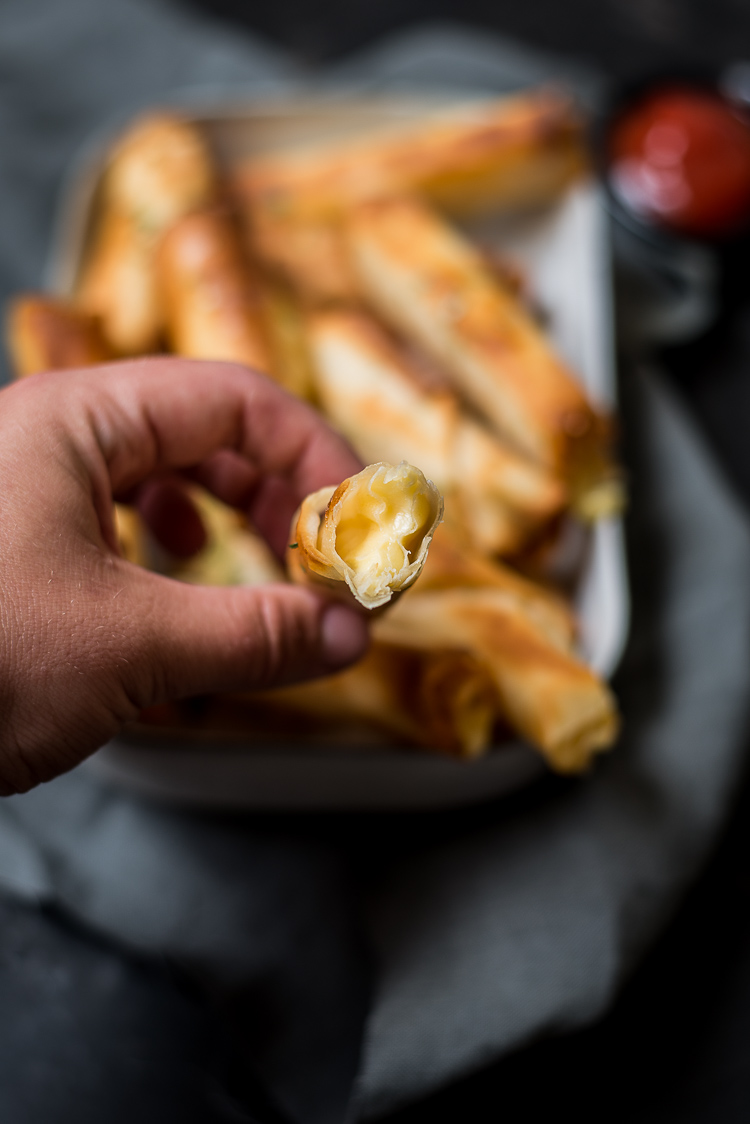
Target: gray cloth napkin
{"points": [[482, 929]]}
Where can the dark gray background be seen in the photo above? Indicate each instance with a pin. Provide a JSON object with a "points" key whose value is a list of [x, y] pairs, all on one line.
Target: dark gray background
{"points": [[675, 1047]]}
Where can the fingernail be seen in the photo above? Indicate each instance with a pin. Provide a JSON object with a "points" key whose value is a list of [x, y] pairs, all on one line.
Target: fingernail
{"points": [[344, 634]]}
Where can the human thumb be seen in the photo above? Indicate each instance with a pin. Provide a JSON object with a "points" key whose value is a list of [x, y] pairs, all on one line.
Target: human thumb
{"points": [[197, 640]]}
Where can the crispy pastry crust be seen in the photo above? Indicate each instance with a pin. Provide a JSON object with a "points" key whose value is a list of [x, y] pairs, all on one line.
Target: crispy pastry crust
{"points": [[379, 397], [212, 298], [450, 565], [45, 334], [433, 286], [160, 170], [309, 254], [443, 700], [551, 698], [518, 150]]}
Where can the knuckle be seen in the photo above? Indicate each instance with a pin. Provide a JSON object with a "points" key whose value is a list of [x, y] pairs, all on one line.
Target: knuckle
{"points": [[279, 640]]}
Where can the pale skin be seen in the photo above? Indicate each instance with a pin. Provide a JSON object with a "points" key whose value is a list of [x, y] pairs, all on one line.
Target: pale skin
{"points": [[88, 640]]}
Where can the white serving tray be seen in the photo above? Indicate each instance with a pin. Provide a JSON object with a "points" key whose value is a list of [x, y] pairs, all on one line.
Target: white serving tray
{"points": [[564, 251]]}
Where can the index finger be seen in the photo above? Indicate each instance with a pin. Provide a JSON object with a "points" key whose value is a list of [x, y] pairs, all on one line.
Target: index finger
{"points": [[153, 415]]}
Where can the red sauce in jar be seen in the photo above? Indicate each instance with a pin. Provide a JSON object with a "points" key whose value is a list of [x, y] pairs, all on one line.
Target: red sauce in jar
{"points": [[681, 157]]}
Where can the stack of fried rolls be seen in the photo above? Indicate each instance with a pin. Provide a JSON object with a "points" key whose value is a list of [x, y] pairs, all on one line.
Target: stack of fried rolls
{"points": [[337, 271]]}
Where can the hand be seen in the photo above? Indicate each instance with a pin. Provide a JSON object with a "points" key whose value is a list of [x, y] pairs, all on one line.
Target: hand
{"points": [[89, 640]]}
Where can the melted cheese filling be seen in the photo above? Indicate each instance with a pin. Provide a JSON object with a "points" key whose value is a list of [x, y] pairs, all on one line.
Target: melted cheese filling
{"points": [[382, 525]]}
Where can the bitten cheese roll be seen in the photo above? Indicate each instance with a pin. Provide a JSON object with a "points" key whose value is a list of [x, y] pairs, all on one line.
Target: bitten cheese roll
{"points": [[370, 535], [432, 285], [160, 170], [211, 297], [47, 334], [551, 698], [378, 397]]}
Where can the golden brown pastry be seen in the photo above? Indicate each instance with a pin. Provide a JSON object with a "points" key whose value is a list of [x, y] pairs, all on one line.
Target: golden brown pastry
{"points": [[451, 564], [211, 298], [369, 536], [380, 399], [160, 170], [551, 698], [443, 700], [431, 284], [521, 150], [517, 151], [291, 363], [47, 334], [310, 254]]}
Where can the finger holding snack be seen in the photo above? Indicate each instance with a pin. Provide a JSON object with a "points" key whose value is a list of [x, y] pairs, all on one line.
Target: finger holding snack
{"points": [[339, 274], [99, 639]]}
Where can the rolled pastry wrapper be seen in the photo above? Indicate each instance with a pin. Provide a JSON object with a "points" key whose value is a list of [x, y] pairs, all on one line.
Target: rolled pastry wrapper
{"points": [[118, 286], [160, 170], [310, 254], [211, 296], [551, 698], [48, 334], [483, 155], [444, 700], [370, 535], [382, 401], [291, 363], [433, 286], [451, 565]]}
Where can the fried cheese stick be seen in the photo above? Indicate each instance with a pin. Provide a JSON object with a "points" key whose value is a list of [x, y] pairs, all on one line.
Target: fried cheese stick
{"points": [[212, 299], [47, 334], [442, 700], [160, 170], [451, 565], [522, 150], [432, 285], [551, 698], [369, 536], [291, 363], [517, 150], [379, 399], [310, 254]]}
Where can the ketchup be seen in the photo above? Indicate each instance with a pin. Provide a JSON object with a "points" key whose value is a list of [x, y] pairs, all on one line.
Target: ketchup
{"points": [[681, 157]]}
